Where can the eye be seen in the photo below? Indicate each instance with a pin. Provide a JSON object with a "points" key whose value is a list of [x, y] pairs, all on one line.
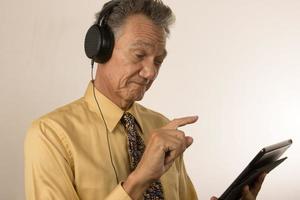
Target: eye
{"points": [[139, 54], [158, 62]]}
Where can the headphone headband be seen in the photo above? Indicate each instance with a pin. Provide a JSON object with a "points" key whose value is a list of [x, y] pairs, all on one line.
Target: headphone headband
{"points": [[106, 11]]}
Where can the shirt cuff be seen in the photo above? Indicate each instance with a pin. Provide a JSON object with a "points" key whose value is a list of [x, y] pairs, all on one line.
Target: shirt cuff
{"points": [[118, 193]]}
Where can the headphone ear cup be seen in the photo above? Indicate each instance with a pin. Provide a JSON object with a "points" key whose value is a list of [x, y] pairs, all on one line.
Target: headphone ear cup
{"points": [[107, 45], [92, 42], [99, 43]]}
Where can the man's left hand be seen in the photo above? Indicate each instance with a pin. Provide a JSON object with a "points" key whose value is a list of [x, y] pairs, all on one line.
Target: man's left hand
{"points": [[250, 193]]}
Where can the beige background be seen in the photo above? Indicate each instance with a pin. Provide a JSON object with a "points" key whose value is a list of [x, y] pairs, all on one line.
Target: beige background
{"points": [[234, 63]]}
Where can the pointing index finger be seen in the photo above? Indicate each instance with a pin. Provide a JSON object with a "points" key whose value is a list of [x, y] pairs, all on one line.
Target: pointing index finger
{"points": [[175, 123]]}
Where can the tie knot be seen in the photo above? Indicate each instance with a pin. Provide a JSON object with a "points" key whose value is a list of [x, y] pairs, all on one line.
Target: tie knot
{"points": [[127, 119]]}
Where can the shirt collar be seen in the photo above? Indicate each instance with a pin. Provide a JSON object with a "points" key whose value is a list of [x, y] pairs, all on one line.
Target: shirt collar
{"points": [[111, 112], [134, 110]]}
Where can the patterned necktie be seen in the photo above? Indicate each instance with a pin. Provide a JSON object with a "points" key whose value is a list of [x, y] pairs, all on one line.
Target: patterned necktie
{"points": [[136, 148]]}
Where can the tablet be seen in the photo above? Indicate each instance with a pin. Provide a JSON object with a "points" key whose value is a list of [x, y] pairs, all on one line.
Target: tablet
{"points": [[267, 159]]}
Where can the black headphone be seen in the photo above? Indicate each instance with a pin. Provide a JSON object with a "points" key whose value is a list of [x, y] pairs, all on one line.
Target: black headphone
{"points": [[99, 40]]}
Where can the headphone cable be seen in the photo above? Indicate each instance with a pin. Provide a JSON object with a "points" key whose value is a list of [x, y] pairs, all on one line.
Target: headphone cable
{"points": [[106, 128]]}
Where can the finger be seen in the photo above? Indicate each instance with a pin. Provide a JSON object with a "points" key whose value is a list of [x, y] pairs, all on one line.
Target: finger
{"points": [[257, 185], [170, 157], [175, 123], [175, 144], [173, 154], [189, 141], [181, 135], [247, 195], [213, 198], [173, 149]]}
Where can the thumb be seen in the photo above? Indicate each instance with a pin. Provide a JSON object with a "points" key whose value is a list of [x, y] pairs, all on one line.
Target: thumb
{"points": [[246, 193], [213, 198], [189, 141]]}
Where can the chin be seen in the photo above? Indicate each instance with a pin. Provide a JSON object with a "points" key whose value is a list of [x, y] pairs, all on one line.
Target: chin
{"points": [[140, 98], [137, 97], [134, 94]]}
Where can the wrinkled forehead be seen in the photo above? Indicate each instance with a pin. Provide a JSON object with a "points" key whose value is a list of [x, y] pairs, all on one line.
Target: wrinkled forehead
{"points": [[141, 22], [141, 31], [143, 44]]}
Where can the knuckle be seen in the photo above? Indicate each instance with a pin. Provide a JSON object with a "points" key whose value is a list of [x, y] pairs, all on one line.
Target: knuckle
{"points": [[183, 145], [176, 120], [181, 134], [155, 136]]}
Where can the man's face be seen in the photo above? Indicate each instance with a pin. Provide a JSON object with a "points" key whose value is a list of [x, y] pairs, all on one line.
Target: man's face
{"points": [[138, 54]]}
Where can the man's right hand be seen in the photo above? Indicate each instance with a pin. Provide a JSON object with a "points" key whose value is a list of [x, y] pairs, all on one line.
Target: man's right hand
{"points": [[164, 146]]}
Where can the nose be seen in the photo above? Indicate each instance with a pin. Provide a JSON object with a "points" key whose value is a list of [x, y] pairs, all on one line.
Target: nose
{"points": [[149, 71]]}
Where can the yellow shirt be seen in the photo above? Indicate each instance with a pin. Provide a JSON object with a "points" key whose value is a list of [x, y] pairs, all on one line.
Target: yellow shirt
{"points": [[67, 154]]}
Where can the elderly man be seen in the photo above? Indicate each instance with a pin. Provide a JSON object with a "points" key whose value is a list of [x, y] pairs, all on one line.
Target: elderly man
{"points": [[105, 145]]}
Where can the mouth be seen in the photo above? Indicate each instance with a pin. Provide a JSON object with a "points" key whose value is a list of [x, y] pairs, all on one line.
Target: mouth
{"points": [[143, 84]]}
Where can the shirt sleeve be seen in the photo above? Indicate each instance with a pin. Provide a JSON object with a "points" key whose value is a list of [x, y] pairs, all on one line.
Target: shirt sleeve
{"points": [[186, 188], [48, 174], [118, 193], [48, 167]]}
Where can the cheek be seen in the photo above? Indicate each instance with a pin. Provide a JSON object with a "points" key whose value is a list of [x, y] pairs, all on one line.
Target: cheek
{"points": [[129, 73], [121, 76], [117, 79], [117, 72], [124, 69]]}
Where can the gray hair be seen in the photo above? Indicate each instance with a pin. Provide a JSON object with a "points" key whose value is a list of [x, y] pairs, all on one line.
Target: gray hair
{"points": [[159, 13]]}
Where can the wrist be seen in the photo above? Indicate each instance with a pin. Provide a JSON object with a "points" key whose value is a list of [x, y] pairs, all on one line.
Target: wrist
{"points": [[135, 185]]}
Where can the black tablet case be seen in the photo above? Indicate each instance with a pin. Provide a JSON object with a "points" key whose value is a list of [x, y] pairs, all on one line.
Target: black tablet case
{"points": [[266, 160]]}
